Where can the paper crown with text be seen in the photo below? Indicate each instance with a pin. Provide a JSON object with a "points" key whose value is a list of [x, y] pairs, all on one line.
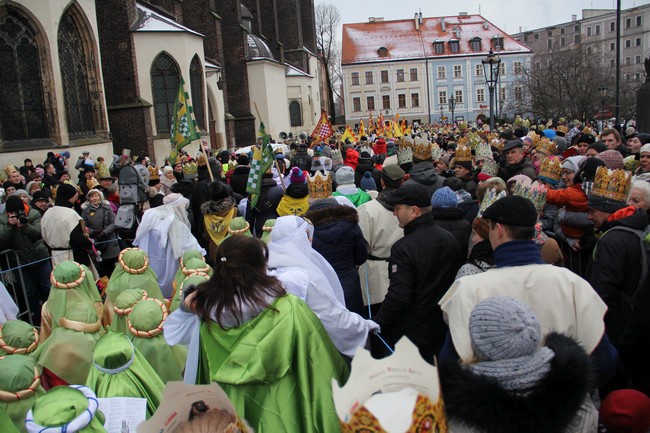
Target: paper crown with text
{"points": [[404, 153], [612, 184], [436, 152], [398, 394], [320, 185], [483, 151], [534, 192], [490, 168], [488, 199]]}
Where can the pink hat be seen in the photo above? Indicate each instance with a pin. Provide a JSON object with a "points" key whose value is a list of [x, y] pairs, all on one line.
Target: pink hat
{"points": [[612, 159]]}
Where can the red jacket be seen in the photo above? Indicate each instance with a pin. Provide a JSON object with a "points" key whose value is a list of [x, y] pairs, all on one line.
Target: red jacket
{"points": [[574, 199]]}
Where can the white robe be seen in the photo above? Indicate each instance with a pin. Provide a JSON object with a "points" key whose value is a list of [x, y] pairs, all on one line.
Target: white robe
{"points": [[56, 226], [561, 300]]}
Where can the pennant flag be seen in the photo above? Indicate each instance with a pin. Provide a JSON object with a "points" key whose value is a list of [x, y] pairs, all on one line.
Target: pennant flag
{"points": [[323, 129], [380, 124], [183, 129], [362, 130], [403, 127], [397, 132], [350, 134], [261, 162], [371, 123]]}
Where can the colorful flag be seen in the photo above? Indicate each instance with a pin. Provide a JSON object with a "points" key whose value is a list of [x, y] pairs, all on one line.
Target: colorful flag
{"points": [[261, 162], [183, 129], [350, 134], [397, 132], [362, 130], [323, 129], [371, 123]]}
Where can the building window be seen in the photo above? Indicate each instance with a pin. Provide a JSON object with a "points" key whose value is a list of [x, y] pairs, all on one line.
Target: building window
{"points": [[518, 93], [475, 44], [480, 95], [370, 102], [612, 46], [196, 84], [502, 69], [637, 42], [458, 95], [628, 60], [454, 46], [401, 100], [576, 38], [22, 107], [385, 102], [75, 76], [637, 76], [549, 44], [458, 71], [355, 78], [588, 31], [627, 77], [536, 35], [576, 28], [517, 67], [382, 52], [497, 42], [637, 59], [369, 77], [503, 94], [415, 100], [295, 113], [550, 33], [478, 70], [597, 31], [538, 65], [439, 47], [628, 43], [442, 72], [562, 42], [612, 26], [164, 82], [612, 62], [562, 31], [628, 23], [384, 77], [414, 74], [638, 21], [442, 97], [589, 50], [400, 75], [525, 38], [356, 104]]}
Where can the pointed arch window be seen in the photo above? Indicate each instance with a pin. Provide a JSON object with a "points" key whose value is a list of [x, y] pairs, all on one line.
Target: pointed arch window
{"points": [[75, 78], [196, 84], [22, 108], [165, 80]]}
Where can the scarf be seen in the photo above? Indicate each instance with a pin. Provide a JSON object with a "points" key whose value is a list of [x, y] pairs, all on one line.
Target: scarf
{"points": [[293, 206], [517, 253], [217, 226]]}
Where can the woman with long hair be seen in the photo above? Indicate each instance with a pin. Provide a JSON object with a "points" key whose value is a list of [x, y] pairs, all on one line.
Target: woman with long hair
{"points": [[264, 347]]}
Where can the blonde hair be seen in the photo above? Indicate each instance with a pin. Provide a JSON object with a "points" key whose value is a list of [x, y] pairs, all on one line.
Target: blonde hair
{"points": [[213, 421]]}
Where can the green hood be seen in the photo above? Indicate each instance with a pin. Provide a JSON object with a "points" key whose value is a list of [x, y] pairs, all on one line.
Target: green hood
{"points": [[132, 271], [17, 337], [358, 198]]}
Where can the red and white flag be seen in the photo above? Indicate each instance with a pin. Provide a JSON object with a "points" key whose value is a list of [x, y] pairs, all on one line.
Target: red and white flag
{"points": [[323, 129]]}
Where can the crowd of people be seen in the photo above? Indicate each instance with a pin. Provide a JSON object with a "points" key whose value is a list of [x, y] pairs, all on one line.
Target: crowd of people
{"points": [[515, 260]]}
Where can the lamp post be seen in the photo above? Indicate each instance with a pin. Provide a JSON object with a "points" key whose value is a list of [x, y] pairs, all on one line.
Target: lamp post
{"points": [[452, 106], [603, 94], [442, 112], [491, 65]]}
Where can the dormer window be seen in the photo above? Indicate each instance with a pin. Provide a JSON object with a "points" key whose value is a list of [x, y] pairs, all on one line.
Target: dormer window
{"points": [[454, 46], [497, 42], [382, 52], [475, 44], [439, 47]]}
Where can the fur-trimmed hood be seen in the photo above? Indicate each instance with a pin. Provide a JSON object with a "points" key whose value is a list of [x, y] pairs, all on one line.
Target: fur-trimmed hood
{"points": [[218, 207], [332, 214], [481, 404]]}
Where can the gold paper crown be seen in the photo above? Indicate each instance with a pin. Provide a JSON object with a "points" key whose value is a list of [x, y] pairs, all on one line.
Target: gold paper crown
{"points": [[533, 136], [422, 149], [497, 144], [588, 130], [102, 171], [463, 154], [404, 153], [190, 168], [178, 160], [490, 167], [612, 184], [320, 185], [153, 173], [436, 152], [474, 139], [201, 160], [10, 169], [534, 192], [403, 373], [562, 128], [546, 146], [490, 197], [551, 168], [463, 141], [483, 151]]}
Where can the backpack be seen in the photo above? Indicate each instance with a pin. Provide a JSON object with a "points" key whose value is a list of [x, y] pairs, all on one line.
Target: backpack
{"points": [[644, 239], [132, 189]]}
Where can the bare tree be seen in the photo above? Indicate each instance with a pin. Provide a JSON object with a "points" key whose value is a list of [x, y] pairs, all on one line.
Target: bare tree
{"points": [[327, 21], [563, 84]]}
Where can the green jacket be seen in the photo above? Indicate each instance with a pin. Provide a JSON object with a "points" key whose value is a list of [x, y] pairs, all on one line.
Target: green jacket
{"points": [[27, 240], [277, 369]]}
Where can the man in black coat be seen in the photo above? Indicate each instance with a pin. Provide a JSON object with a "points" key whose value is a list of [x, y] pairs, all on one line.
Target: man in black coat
{"points": [[515, 161], [421, 267]]}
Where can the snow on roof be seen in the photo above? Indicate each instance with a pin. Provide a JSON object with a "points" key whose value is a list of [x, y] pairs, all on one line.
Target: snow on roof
{"points": [[292, 71], [257, 48], [211, 65], [403, 41], [152, 21]]}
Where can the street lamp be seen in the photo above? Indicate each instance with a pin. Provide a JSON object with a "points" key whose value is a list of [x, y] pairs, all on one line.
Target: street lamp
{"points": [[491, 65], [603, 94], [442, 112], [452, 106]]}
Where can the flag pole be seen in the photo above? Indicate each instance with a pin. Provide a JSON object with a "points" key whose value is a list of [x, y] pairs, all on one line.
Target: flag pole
{"points": [[207, 161], [275, 161]]}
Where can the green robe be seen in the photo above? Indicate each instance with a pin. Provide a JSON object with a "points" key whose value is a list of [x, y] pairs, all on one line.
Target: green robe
{"points": [[126, 299], [121, 279], [17, 374], [277, 369]]}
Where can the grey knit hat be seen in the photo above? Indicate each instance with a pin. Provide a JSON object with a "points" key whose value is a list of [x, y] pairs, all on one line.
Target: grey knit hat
{"points": [[503, 328], [344, 176]]}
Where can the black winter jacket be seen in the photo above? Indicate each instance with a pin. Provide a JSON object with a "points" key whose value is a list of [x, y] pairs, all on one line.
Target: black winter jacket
{"points": [[239, 178], [451, 219], [363, 166], [421, 268], [425, 174], [266, 206], [525, 167]]}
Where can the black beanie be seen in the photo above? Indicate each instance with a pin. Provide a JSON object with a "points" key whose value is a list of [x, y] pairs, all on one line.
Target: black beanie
{"points": [[65, 192], [14, 204], [588, 171]]}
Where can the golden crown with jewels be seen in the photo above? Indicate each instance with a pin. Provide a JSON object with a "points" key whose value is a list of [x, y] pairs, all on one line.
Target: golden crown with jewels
{"points": [[551, 168], [422, 149], [463, 154], [612, 184], [320, 185], [153, 173], [546, 146]]}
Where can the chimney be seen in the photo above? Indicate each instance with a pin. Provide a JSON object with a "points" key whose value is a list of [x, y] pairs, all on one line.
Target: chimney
{"points": [[443, 25], [417, 22], [574, 17], [462, 14], [519, 29]]}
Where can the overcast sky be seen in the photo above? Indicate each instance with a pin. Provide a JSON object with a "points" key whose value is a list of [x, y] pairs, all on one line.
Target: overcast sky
{"points": [[509, 15]]}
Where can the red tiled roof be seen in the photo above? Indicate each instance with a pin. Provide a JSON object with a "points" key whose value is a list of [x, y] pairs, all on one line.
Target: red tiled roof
{"points": [[362, 40]]}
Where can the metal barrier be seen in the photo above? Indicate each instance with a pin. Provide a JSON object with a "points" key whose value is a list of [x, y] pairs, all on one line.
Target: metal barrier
{"points": [[15, 283]]}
